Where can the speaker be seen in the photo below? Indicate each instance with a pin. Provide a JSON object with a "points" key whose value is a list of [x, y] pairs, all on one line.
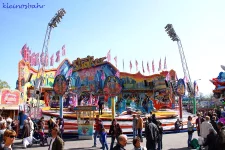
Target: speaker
{"points": [[145, 82], [29, 77]]}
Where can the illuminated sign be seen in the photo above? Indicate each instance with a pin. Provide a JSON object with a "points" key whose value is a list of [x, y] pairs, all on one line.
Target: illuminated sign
{"points": [[87, 62]]}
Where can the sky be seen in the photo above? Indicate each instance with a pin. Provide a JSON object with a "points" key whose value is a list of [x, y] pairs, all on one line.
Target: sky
{"points": [[133, 30]]}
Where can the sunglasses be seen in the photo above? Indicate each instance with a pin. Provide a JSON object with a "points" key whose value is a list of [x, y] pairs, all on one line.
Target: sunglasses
{"points": [[11, 136]]}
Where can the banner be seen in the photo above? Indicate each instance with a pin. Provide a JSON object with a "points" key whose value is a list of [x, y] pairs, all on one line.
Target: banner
{"points": [[10, 97]]}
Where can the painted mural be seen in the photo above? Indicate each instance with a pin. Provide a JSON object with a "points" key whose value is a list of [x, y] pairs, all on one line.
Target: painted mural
{"points": [[89, 79]]}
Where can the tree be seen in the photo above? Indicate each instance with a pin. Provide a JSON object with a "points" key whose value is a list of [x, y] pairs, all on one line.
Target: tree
{"points": [[4, 84]]}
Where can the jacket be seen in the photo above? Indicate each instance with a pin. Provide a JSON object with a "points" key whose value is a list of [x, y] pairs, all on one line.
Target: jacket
{"points": [[205, 126], [211, 141], [139, 123], [58, 144]]}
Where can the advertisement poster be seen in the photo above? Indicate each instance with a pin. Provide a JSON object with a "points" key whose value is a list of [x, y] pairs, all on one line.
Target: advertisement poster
{"points": [[85, 130], [10, 97]]}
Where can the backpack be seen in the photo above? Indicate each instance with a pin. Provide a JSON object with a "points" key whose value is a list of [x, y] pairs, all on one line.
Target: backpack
{"points": [[194, 144]]}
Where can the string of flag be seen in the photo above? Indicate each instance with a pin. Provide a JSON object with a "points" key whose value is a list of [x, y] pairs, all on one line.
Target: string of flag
{"points": [[36, 58], [108, 56]]}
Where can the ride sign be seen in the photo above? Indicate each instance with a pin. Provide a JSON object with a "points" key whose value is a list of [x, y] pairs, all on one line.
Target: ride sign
{"points": [[60, 85]]}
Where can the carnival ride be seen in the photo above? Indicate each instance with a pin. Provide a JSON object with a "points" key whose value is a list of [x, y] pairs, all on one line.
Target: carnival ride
{"points": [[219, 82], [91, 80], [182, 85]]}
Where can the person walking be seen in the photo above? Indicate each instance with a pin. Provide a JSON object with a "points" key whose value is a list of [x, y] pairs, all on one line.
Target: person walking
{"points": [[134, 127], [98, 126], [206, 125], [140, 127], [160, 135], [137, 144], [190, 131], [122, 142], [211, 140], [56, 142], [115, 131], [220, 142], [8, 138], [198, 123], [103, 135], [152, 135]]}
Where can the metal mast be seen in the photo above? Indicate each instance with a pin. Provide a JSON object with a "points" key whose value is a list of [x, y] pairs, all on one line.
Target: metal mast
{"points": [[174, 37], [44, 62]]}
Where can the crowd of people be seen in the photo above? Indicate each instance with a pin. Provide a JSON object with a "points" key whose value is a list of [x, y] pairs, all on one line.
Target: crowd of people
{"points": [[32, 132], [210, 130], [153, 134]]}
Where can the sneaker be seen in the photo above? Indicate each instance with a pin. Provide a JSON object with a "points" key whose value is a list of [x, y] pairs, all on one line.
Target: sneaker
{"points": [[94, 146]]}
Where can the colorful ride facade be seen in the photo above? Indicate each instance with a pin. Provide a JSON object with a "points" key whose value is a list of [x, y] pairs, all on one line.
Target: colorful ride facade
{"points": [[92, 79], [219, 82]]}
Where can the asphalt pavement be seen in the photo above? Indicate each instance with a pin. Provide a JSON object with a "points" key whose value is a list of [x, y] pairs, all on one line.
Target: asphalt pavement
{"points": [[176, 141]]}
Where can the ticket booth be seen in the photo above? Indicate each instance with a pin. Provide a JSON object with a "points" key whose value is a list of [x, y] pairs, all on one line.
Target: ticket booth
{"points": [[85, 120]]}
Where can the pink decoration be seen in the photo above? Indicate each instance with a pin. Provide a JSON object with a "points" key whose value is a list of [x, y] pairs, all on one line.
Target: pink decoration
{"points": [[63, 50], [37, 59], [52, 60], [117, 74], [57, 56], [109, 56]]}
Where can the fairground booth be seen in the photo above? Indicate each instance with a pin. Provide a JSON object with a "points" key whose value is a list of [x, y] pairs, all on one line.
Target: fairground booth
{"points": [[85, 121], [91, 80]]}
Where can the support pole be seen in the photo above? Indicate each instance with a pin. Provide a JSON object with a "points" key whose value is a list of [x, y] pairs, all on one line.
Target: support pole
{"points": [[113, 99], [61, 106], [180, 107], [194, 105]]}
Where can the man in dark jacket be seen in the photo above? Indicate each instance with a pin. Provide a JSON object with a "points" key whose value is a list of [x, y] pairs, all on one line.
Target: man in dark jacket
{"points": [[214, 124], [122, 142], [211, 140], [152, 134], [56, 142], [220, 142]]}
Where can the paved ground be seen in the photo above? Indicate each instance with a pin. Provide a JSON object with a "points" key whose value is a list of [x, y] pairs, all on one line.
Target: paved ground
{"points": [[170, 142]]}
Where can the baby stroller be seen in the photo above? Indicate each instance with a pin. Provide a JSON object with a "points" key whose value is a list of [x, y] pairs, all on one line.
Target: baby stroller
{"points": [[39, 138]]}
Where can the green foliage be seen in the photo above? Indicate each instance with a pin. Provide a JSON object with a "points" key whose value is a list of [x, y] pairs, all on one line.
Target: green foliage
{"points": [[4, 84]]}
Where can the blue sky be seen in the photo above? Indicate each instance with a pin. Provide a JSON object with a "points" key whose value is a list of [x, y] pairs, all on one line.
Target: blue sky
{"points": [[131, 29]]}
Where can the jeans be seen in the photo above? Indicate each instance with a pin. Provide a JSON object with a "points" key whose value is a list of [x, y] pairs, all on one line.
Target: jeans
{"points": [[112, 142], [105, 145], [198, 132], [134, 133], [189, 139], [140, 134], [95, 137]]}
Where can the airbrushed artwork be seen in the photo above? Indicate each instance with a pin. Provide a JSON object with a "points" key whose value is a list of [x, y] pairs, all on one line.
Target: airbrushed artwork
{"points": [[92, 80]]}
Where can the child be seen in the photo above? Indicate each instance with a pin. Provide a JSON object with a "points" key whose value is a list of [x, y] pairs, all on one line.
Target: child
{"points": [[103, 135]]}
